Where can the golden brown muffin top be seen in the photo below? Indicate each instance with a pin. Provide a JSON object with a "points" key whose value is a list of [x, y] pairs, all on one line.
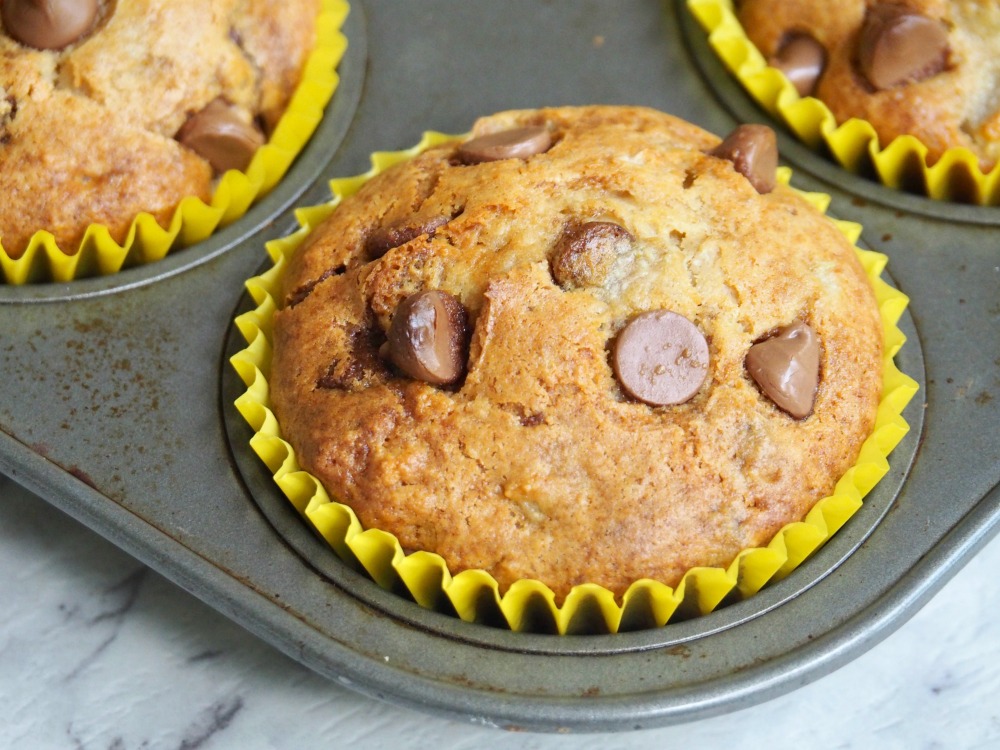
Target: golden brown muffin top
{"points": [[536, 462]]}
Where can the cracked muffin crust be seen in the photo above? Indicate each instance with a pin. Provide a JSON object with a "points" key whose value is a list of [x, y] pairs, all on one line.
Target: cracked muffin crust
{"points": [[541, 459], [89, 131], [927, 68]]}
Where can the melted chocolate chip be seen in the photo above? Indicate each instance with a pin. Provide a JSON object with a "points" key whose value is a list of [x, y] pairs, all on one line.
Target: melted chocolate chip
{"points": [[8, 114], [786, 367], [300, 293], [584, 255], [661, 358], [802, 60], [11, 114], [360, 366], [753, 150], [898, 45], [48, 24], [428, 337], [518, 143], [384, 239], [221, 137]]}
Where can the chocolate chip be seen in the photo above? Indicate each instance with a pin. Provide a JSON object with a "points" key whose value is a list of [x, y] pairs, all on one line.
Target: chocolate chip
{"points": [[584, 255], [661, 358], [753, 150], [48, 24], [786, 367], [221, 137], [519, 143], [384, 239], [898, 45], [428, 337], [802, 59]]}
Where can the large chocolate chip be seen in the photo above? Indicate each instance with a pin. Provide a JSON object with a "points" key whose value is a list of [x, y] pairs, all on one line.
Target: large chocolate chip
{"points": [[428, 337], [898, 45], [802, 59], [48, 24], [519, 143], [786, 367], [584, 255], [661, 358], [753, 150], [220, 136], [384, 239]]}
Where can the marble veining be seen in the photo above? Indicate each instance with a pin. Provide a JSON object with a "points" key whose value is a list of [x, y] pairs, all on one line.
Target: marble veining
{"points": [[219, 716], [115, 603], [98, 652]]}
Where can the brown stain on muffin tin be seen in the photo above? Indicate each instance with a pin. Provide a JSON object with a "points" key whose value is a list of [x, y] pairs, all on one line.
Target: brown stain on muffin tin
{"points": [[97, 373], [681, 650]]}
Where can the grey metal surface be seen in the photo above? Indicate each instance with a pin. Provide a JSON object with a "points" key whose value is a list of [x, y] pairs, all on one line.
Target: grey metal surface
{"points": [[115, 401]]}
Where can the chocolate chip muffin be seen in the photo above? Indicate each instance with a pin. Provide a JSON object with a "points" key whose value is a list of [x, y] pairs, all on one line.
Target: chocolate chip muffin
{"points": [[108, 109], [926, 68], [581, 345]]}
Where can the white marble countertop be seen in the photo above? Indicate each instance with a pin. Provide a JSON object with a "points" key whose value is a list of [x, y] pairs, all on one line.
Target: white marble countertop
{"points": [[98, 651]]}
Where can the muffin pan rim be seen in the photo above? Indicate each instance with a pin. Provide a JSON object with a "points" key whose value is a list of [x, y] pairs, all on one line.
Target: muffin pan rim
{"points": [[354, 644]]}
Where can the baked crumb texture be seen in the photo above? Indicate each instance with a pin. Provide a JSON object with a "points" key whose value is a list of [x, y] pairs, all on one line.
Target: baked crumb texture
{"points": [[102, 131], [535, 463], [905, 92]]}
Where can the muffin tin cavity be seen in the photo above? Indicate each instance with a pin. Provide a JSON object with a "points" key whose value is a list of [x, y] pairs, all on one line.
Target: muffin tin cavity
{"points": [[114, 155], [88, 272], [845, 156]]}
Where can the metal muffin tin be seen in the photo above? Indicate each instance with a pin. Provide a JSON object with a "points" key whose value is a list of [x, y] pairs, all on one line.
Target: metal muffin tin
{"points": [[116, 400]]}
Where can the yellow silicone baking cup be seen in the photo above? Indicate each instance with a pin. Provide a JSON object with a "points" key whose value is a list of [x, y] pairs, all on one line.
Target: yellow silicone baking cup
{"points": [[194, 220], [902, 164], [529, 605]]}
